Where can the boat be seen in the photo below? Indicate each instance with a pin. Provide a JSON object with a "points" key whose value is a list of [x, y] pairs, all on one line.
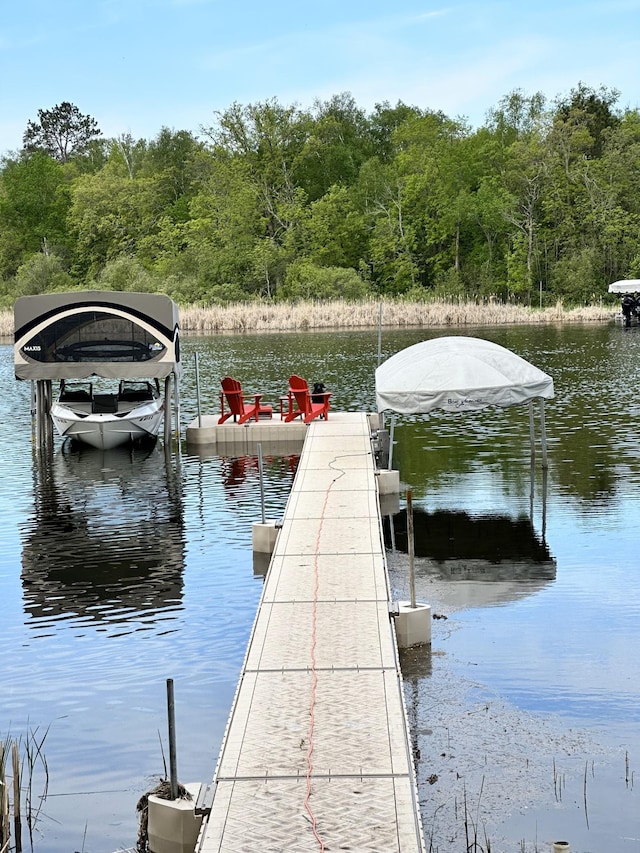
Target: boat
{"points": [[109, 350], [132, 414], [630, 305]]}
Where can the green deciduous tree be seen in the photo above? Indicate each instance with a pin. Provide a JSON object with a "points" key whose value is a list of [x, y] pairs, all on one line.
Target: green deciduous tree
{"points": [[34, 200], [338, 142], [267, 140], [591, 110], [43, 273], [335, 231], [305, 280], [283, 201], [110, 216]]}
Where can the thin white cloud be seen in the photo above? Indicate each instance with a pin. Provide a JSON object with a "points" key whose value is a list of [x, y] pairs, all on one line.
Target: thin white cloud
{"points": [[145, 64]]}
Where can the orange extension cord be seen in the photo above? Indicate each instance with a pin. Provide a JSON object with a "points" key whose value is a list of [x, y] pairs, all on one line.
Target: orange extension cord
{"points": [[314, 674]]}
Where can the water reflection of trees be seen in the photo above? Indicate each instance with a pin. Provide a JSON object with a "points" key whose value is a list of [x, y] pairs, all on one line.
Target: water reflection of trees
{"points": [[106, 539]]}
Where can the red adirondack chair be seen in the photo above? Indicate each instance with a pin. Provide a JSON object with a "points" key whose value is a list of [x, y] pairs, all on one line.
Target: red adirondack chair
{"points": [[241, 411], [302, 403]]}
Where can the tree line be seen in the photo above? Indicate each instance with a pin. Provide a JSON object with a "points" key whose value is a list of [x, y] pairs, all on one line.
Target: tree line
{"points": [[278, 202]]}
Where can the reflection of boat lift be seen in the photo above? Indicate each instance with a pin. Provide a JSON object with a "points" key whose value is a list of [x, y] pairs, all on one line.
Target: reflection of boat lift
{"points": [[501, 545], [107, 538]]}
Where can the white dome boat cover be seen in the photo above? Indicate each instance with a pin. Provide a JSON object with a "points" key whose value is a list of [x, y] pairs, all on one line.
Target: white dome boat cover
{"points": [[457, 374], [628, 285]]}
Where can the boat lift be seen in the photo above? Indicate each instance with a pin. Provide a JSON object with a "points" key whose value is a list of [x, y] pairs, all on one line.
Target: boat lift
{"points": [[50, 328]]}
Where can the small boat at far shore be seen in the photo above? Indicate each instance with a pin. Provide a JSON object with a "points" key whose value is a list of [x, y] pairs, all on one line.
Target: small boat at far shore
{"points": [[132, 414]]}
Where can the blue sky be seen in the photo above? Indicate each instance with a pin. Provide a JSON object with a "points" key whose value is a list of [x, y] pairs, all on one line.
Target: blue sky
{"points": [[139, 65]]}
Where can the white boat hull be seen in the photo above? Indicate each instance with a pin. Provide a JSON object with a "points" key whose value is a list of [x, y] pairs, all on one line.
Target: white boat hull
{"points": [[105, 431]]}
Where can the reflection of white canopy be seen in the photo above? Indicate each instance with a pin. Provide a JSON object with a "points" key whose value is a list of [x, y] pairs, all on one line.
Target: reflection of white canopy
{"points": [[457, 374], [629, 285]]}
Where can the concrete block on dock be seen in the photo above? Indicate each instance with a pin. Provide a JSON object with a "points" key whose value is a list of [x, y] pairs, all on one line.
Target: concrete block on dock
{"points": [[173, 824], [388, 482], [413, 625], [202, 430], [231, 437], [264, 536]]}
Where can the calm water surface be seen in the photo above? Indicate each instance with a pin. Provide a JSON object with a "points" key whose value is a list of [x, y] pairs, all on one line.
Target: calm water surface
{"points": [[120, 570]]}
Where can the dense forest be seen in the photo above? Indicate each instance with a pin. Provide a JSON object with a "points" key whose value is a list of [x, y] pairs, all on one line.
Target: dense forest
{"points": [[275, 202]]}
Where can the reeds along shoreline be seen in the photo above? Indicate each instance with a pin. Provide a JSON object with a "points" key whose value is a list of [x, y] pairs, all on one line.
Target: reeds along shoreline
{"points": [[309, 316]]}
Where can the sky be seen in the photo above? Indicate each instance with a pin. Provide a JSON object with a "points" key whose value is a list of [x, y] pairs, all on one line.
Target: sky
{"points": [[137, 66]]}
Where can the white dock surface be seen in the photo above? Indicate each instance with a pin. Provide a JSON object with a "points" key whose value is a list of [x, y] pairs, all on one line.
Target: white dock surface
{"points": [[316, 755]]}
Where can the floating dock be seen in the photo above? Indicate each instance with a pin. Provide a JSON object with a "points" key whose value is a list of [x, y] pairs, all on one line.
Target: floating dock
{"points": [[316, 755]]}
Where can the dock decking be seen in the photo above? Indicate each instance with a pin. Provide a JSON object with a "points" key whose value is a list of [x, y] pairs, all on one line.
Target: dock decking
{"points": [[316, 755]]}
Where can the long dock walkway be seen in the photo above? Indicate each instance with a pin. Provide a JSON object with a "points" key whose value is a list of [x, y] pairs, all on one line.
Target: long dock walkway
{"points": [[316, 755]]}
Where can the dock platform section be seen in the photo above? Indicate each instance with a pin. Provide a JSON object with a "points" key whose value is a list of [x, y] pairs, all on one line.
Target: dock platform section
{"points": [[317, 755]]}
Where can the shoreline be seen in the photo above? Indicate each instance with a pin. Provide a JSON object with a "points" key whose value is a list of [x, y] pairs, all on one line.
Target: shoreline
{"points": [[254, 317]]}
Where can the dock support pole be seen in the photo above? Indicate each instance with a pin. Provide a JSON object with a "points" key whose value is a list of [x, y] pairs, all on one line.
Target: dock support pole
{"points": [[167, 411], [543, 435], [264, 533], [173, 769], [197, 369], [261, 476], [173, 825], [411, 549], [532, 432], [413, 620]]}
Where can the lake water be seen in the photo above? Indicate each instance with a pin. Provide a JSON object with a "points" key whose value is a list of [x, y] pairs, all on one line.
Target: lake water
{"points": [[121, 570]]}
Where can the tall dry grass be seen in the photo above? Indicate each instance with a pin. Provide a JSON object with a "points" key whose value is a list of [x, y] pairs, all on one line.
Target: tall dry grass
{"points": [[303, 316]]}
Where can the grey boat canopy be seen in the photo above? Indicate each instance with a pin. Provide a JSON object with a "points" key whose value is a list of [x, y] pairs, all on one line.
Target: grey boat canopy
{"points": [[110, 334]]}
